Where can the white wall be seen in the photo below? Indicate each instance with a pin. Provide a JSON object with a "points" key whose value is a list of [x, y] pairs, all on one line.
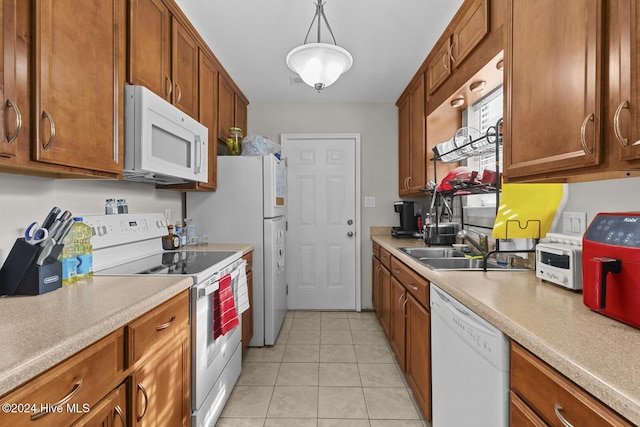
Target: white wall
{"points": [[377, 123], [24, 199]]}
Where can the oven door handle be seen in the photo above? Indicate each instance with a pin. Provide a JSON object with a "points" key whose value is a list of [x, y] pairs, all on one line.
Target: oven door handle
{"points": [[209, 289]]}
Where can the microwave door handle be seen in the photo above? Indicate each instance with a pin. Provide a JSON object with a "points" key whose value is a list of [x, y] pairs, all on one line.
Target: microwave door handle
{"points": [[198, 161]]}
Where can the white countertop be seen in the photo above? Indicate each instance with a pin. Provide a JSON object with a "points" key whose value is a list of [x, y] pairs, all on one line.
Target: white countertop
{"points": [[596, 352]]}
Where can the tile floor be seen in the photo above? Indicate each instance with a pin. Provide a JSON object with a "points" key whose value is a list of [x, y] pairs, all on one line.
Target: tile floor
{"points": [[327, 369]]}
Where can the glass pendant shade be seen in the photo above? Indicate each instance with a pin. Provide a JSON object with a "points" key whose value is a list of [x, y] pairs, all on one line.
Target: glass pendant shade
{"points": [[319, 64]]}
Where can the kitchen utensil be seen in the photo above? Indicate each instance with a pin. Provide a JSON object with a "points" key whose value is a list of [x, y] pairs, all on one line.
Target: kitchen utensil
{"points": [[47, 247], [528, 210], [64, 230], [51, 217], [34, 235]]}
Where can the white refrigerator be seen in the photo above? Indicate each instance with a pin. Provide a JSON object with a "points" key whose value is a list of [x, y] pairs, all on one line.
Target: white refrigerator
{"points": [[249, 207]]}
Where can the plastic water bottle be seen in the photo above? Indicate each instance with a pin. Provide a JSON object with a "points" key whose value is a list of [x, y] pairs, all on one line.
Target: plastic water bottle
{"points": [[81, 237]]}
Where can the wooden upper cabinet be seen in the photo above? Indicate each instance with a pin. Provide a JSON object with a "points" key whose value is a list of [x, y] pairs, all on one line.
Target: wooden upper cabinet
{"points": [[439, 65], [470, 26], [404, 146], [185, 70], [226, 106], [79, 73], [240, 112], [553, 101], [10, 117], [622, 127], [208, 115], [412, 140], [149, 62]]}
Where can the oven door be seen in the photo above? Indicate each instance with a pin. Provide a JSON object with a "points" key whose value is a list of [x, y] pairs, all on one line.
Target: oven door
{"points": [[209, 356]]}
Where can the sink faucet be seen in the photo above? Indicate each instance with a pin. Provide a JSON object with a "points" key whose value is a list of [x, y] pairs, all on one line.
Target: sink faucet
{"points": [[482, 244]]}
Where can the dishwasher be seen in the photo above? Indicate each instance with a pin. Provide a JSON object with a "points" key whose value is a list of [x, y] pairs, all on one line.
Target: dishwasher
{"points": [[470, 367]]}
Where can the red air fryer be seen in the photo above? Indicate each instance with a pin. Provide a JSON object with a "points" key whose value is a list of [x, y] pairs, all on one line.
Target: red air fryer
{"points": [[611, 266]]}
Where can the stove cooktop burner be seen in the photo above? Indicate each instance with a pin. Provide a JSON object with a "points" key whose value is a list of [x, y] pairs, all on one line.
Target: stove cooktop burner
{"points": [[183, 262]]}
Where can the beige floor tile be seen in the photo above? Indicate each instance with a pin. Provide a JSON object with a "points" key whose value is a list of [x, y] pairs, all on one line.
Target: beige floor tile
{"points": [[335, 325], [240, 422], [390, 404], [335, 337], [365, 324], [283, 337], [339, 375], [304, 336], [248, 402], [373, 354], [337, 353], [362, 315], [286, 324], [265, 354], [341, 402], [334, 314], [258, 373], [290, 422], [294, 402], [305, 353], [308, 314], [290, 314], [342, 423], [311, 323], [380, 375], [298, 374], [369, 337]]}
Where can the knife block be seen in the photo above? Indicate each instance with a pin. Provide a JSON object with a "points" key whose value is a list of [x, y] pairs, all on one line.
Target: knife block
{"points": [[20, 275]]}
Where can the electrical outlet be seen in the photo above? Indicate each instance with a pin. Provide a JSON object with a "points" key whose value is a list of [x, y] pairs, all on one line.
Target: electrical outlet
{"points": [[369, 202], [574, 222], [167, 215]]}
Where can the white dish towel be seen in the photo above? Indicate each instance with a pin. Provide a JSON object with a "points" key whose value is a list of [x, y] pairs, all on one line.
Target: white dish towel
{"points": [[243, 289]]}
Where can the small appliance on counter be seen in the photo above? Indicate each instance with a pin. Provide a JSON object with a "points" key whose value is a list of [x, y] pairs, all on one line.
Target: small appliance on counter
{"points": [[443, 233], [408, 221], [611, 266], [559, 260]]}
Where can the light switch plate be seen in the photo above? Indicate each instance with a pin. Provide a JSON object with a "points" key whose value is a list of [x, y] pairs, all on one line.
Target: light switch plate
{"points": [[369, 202], [574, 223]]}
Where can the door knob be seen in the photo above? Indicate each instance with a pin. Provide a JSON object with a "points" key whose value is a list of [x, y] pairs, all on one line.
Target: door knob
{"points": [[349, 222], [350, 234]]}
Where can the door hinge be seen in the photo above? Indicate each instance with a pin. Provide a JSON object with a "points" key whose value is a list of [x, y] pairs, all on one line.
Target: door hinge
{"points": [[286, 226], [287, 290]]}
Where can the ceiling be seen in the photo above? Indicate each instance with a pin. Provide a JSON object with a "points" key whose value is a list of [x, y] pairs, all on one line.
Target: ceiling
{"points": [[388, 39]]}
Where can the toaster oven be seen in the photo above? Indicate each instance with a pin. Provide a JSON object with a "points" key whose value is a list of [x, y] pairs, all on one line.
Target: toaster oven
{"points": [[560, 263]]}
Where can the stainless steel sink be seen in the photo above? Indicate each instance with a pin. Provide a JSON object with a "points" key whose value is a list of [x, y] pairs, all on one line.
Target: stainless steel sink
{"points": [[419, 253], [450, 259]]}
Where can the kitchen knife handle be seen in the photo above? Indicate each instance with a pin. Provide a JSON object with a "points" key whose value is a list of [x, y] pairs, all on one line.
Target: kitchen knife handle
{"points": [[11, 139], [52, 126], [51, 217], [604, 266], [616, 123]]}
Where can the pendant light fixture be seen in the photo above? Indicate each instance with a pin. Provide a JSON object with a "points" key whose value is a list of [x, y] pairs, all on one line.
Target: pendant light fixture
{"points": [[319, 64]]}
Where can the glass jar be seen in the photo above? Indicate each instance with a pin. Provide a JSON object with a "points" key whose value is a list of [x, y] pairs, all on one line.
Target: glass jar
{"points": [[234, 141]]}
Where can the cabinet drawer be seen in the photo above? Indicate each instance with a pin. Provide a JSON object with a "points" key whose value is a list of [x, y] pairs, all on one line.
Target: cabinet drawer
{"points": [[66, 389], [156, 326], [551, 395], [376, 250], [385, 257], [415, 284], [249, 258]]}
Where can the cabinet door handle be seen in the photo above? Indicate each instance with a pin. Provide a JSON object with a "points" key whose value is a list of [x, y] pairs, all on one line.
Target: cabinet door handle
{"points": [[179, 91], [166, 325], [451, 51], [415, 288], [169, 85], [408, 183], [558, 410], [583, 131], [76, 388], [404, 307], [146, 401], [11, 139], [52, 126], [444, 63], [396, 271], [117, 411], [616, 123]]}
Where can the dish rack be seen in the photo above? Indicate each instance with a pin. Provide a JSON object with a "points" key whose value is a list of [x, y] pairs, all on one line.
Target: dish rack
{"points": [[487, 143]]}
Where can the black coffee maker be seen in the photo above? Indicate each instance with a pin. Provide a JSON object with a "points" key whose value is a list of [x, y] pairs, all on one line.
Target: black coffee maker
{"points": [[408, 221]]}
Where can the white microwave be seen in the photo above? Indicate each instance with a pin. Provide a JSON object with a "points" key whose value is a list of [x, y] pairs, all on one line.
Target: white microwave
{"points": [[161, 143]]}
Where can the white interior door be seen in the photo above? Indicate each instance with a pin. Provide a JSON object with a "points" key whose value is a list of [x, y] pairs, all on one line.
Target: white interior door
{"points": [[323, 222]]}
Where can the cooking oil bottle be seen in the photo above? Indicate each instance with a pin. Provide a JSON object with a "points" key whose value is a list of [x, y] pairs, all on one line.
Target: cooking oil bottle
{"points": [[68, 260], [81, 237]]}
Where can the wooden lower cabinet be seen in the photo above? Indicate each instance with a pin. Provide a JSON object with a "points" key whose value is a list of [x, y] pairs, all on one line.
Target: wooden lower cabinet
{"points": [[540, 395], [385, 300], [160, 386], [398, 320], [109, 412], [418, 353], [375, 284]]}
